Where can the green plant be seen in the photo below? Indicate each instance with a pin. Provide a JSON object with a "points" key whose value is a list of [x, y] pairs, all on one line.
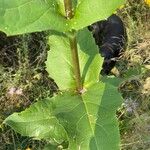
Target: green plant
{"points": [[82, 114]]}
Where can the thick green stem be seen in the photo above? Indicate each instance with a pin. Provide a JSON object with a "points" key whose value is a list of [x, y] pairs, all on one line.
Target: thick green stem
{"points": [[75, 60], [73, 46]]}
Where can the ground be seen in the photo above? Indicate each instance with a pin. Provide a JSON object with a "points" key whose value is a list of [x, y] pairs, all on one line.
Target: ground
{"points": [[23, 80]]}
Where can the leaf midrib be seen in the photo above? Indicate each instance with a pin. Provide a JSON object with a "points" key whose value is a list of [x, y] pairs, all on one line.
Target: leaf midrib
{"points": [[86, 109]]}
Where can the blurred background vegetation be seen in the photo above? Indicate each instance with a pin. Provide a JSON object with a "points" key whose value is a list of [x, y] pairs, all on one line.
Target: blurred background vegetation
{"points": [[23, 80]]}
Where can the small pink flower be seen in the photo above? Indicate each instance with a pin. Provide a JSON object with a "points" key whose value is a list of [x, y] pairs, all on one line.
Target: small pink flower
{"points": [[12, 91], [16, 91]]}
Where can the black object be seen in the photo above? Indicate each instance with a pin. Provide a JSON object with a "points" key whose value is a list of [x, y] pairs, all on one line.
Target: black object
{"points": [[110, 36]]}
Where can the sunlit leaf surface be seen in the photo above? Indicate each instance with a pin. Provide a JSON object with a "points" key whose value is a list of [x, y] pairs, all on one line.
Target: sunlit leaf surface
{"points": [[59, 61], [24, 16]]}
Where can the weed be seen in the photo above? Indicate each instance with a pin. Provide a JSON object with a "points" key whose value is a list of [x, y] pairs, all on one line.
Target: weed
{"points": [[23, 80]]}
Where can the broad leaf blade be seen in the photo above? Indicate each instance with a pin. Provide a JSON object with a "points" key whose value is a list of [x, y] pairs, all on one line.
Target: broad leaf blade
{"points": [[88, 11], [102, 101], [23, 16], [89, 58], [59, 65], [89, 119], [38, 121], [59, 61]]}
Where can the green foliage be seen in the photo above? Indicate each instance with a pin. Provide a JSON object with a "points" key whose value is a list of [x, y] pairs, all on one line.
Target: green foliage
{"points": [[60, 55], [39, 122], [87, 121], [24, 16], [84, 121]]}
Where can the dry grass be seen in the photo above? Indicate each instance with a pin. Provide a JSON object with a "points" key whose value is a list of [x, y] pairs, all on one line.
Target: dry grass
{"points": [[135, 65]]}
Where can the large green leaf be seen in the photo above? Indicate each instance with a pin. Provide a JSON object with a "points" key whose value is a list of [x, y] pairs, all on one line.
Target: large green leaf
{"points": [[89, 119], [59, 61], [22, 16], [90, 11], [38, 121]]}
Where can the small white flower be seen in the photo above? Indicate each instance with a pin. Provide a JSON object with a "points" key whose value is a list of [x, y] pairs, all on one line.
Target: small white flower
{"points": [[130, 105], [18, 91]]}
